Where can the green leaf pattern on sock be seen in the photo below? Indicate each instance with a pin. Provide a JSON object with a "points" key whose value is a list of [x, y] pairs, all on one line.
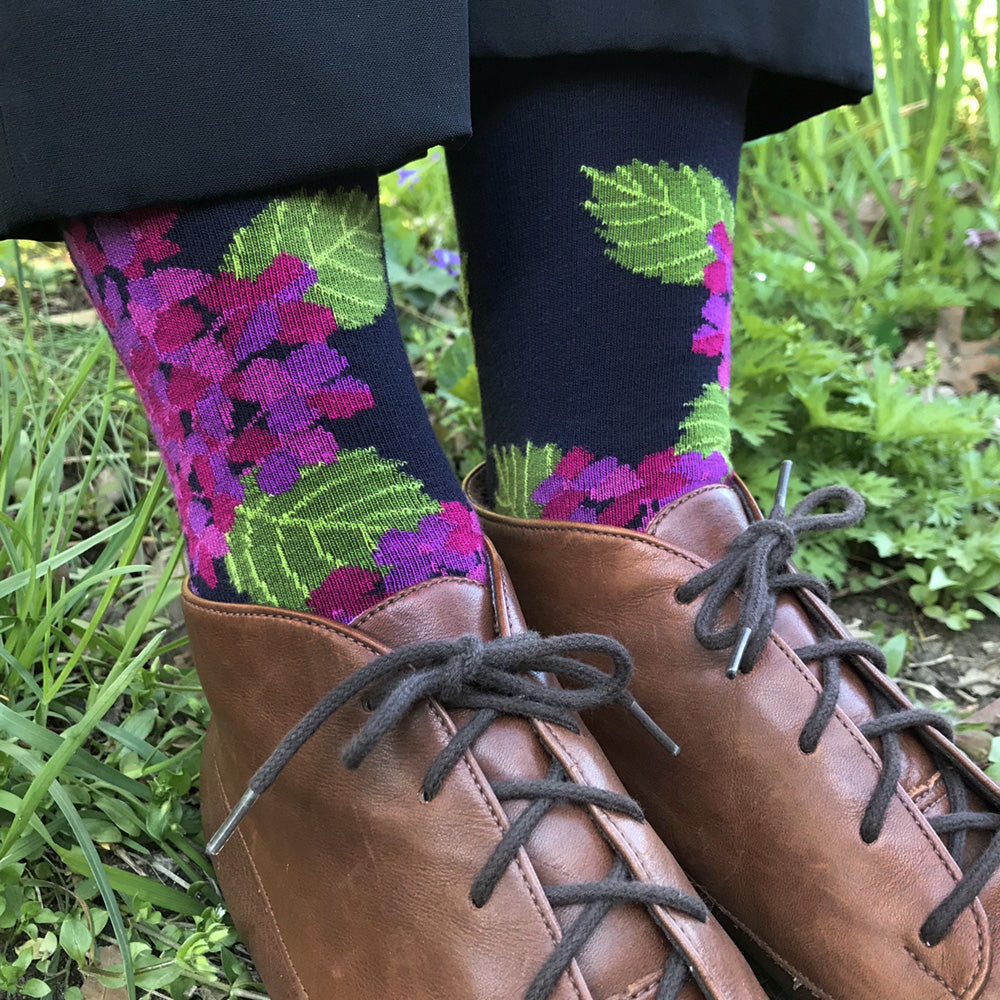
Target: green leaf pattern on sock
{"points": [[518, 476], [333, 516], [338, 234], [656, 218], [707, 428], [672, 224]]}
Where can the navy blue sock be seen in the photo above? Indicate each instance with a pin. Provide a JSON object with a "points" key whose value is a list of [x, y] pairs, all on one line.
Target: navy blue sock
{"points": [[262, 338], [595, 215]]}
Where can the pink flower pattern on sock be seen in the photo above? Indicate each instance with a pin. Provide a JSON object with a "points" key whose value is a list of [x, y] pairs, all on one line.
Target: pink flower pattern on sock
{"points": [[239, 378], [585, 488], [200, 349], [712, 338]]}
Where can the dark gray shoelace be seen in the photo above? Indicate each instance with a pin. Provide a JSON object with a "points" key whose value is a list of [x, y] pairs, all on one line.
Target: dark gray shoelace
{"points": [[494, 679], [756, 566]]}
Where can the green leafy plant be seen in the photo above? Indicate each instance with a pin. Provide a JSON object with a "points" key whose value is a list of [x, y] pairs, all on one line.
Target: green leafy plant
{"points": [[927, 464], [101, 721]]}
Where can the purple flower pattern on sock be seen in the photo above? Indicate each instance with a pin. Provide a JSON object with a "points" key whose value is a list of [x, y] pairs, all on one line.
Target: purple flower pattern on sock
{"points": [[194, 344], [712, 338], [445, 544], [239, 376], [595, 490]]}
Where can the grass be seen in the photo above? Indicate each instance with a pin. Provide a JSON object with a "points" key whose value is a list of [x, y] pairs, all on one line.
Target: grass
{"points": [[854, 234], [100, 723]]}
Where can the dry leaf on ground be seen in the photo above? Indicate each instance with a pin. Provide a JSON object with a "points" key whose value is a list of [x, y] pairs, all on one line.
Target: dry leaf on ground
{"points": [[988, 715], [107, 958], [962, 361]]}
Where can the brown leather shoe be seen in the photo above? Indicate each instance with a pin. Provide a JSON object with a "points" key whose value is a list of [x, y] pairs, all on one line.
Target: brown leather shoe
{"points": [[852, 848], [436, 827]]}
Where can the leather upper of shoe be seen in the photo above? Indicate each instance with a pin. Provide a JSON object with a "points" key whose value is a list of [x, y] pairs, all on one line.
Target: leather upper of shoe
{"points": [[353, 881], [766, 821]]}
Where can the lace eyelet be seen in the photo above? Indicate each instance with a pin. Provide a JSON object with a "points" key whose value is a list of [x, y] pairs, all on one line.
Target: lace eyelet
{"points": [[677, 596], [807, 748], [367, 706], [472, 900], [866, 840], [424, 797]]}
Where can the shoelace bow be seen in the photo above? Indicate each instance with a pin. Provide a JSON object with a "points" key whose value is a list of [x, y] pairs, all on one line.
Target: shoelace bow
{"points": [[756, 566], [494, 679]]}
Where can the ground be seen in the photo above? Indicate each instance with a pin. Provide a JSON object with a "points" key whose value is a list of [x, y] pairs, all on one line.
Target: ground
{"points": [[941, 666]]}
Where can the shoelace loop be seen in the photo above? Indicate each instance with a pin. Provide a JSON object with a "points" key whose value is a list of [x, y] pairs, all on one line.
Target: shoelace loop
{"points": [[506, 676], [756, 564], [756, 567]]}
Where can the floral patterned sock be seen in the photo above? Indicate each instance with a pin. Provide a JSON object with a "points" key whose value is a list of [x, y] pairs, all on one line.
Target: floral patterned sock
{"points": [[599, 274], [262, 339]]}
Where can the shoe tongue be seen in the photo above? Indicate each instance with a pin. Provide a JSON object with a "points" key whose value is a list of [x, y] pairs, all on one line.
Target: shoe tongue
{"points": [[443, 608], [566, 846], [703, 522]]}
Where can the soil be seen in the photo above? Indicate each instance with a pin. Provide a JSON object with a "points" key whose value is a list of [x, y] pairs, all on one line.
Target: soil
{"points": [[940, 665], [956, 673]]}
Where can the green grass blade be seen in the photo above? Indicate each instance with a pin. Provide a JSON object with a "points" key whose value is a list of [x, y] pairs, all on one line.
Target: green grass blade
{"points": [[40, 739], [18, 581], [139, 523], [130, 884], [95, 354], [15, 664], [116, 683], [89, 851]]}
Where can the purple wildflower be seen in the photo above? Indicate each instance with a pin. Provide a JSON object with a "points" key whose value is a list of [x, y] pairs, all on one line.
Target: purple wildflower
{"points": [[447, 260]]}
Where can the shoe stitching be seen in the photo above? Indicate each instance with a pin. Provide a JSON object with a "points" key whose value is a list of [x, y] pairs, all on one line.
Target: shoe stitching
{"points": [[789, 654], [786, 651], [260, 884], [508, 607], [445, 724], [332, 628], [972, 775], [438, 717], [635, 860], [792, 971], [761, 943], [933, 974], [609, 532], [293, 619], [900, 795], [680, 501], [924, 807]]}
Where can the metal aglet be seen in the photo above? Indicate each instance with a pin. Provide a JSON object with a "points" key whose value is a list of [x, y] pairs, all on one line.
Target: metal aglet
{"points": [[218, 841], [784, 477], [651, 727], [737, 658]]}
